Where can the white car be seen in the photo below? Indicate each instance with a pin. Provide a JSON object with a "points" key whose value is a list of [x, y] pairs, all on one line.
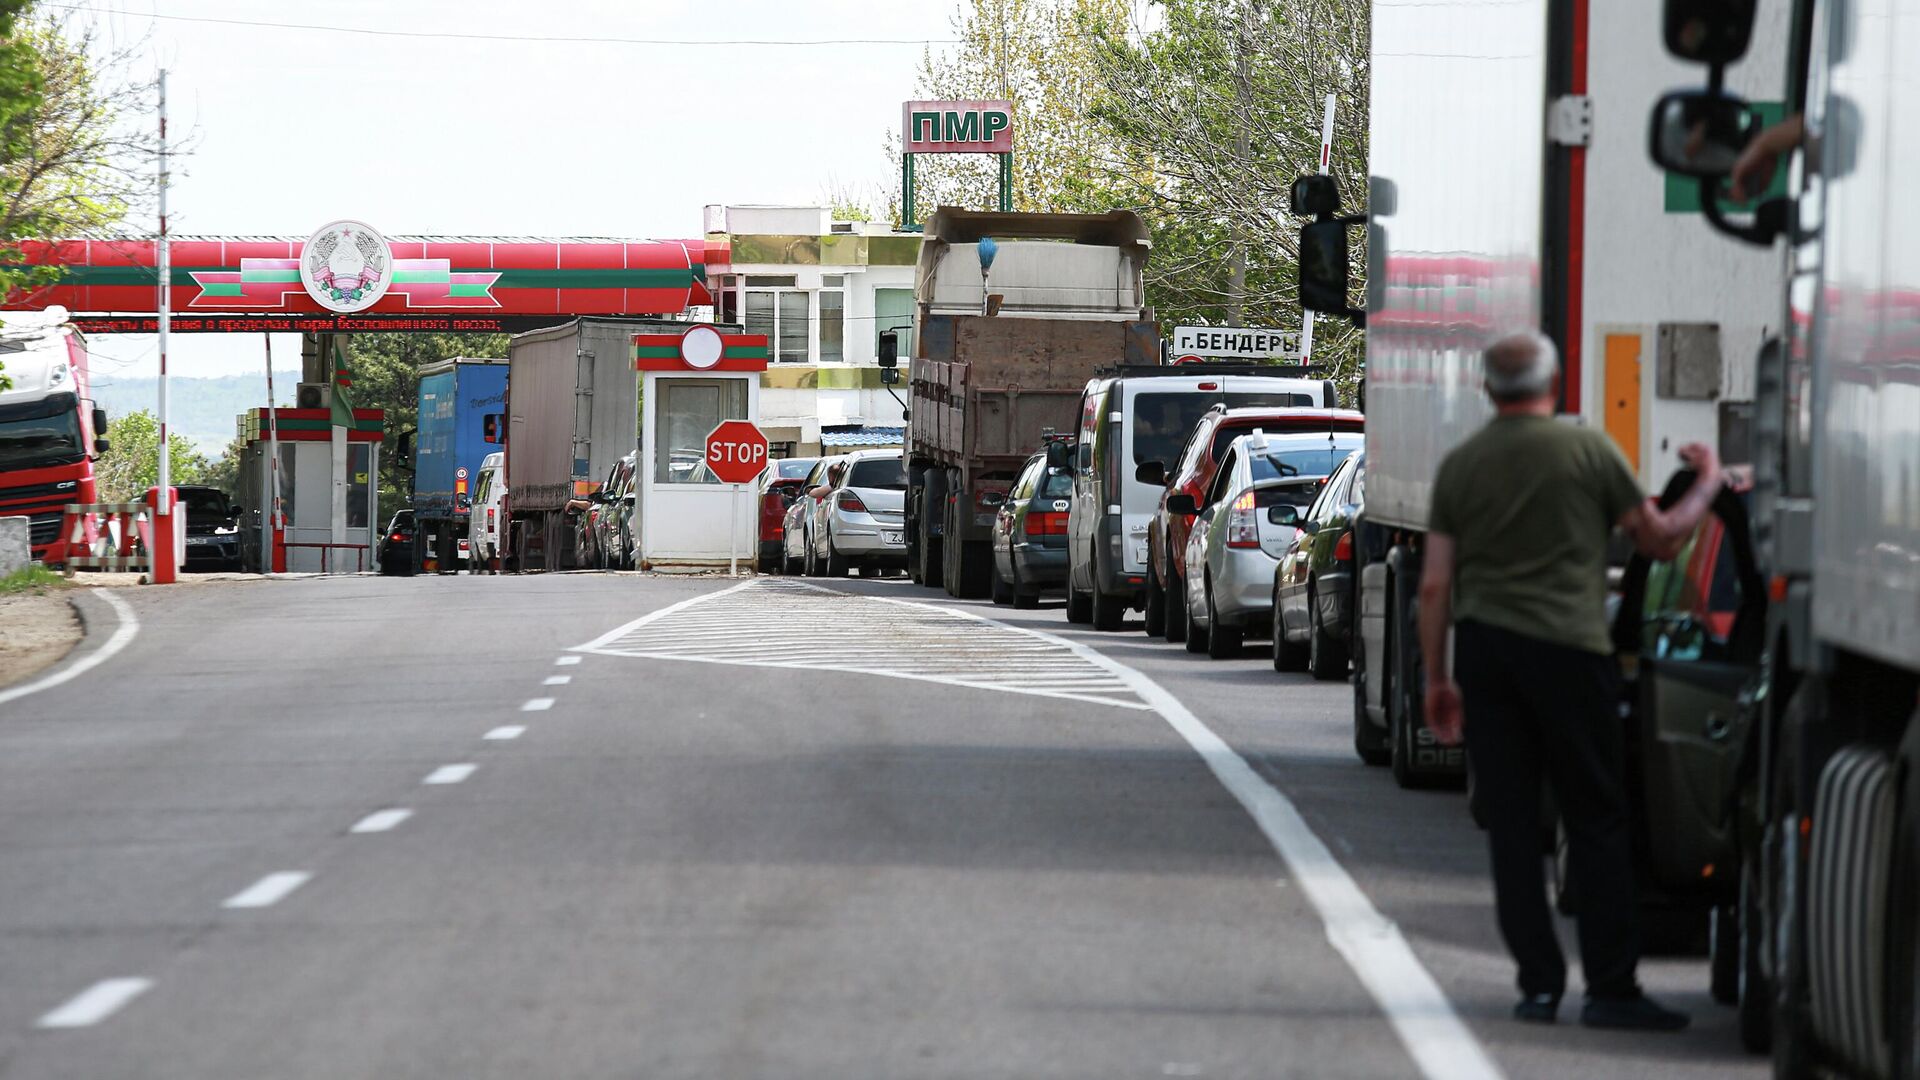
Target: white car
{"points": [[485, 524], [862, 521], [1264, 485], [797, 528]]}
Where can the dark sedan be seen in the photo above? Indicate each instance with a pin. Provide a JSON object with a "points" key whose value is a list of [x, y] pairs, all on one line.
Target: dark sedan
{"points": [[1313, 586], [1030, 534], [213, 529], [396, 545]]}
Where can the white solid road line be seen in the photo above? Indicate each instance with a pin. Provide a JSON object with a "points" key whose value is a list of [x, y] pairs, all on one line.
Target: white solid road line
{"points": [[96, 1003], [1434, 1035], [539, 704], [508, 731], [381, 820], [619, 632], [566, 660], [449, 774], [268, 891], [558, 680], [116, 641]]}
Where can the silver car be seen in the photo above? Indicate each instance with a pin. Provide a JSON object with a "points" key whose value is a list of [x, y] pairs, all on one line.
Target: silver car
{"points": [[862, 520], [796, 535], [1264, 484]]}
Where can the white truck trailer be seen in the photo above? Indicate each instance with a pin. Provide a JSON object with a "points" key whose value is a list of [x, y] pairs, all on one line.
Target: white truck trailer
{"points": [[1510, 189], [1831, 893]]}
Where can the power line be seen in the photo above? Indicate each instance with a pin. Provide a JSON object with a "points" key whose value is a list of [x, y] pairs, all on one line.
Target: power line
{"points": [[368, 31]]}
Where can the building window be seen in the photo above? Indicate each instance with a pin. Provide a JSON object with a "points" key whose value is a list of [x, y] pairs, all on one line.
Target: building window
{"points": [[893, 310], [793, 327], [689, 410], [776, 308], [833, 326]]}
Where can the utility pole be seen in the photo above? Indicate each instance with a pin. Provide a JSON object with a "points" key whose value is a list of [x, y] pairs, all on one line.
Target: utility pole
{"points": [[161, 552]]}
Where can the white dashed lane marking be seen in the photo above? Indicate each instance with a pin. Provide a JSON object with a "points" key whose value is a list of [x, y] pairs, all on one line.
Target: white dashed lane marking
{"points": [[269, 890], [507, 731], [96, 1003], [381, 820], [558, 680], [870, 636], [449, 774], [539, 704], [566, 661]]}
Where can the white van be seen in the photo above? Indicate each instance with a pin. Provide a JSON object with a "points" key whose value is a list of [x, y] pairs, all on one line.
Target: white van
{"points": [[489, 511], [1138, 415]]}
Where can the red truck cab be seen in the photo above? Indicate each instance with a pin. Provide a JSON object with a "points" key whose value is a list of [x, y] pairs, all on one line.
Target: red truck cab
{"points": [[50, 430]]}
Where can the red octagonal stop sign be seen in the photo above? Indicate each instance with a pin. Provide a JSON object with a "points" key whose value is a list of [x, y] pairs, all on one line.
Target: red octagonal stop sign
{"points": [[736, 452]]}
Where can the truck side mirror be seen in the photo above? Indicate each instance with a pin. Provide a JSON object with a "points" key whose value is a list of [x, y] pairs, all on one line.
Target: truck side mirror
{"points": [[1700, 133], [1323, 270], [1059, 455], [99, 419], [1151, 472], [889, 349], [403, 446], [101, 446], [491, 427], [1707, 31]]}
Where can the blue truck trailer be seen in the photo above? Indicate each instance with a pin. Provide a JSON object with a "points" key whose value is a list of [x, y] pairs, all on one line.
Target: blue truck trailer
{"points": [[456, 397]]}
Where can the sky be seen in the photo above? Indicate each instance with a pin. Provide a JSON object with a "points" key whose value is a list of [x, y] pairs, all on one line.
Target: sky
{"points": [[290, 128]]}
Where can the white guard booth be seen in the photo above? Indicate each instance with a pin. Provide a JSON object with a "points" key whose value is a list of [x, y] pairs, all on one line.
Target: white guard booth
{"points": [[329, 492], [690, 382]]}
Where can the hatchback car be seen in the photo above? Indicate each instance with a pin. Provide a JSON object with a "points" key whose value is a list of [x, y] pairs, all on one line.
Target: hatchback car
{"points": [[396, 545], [1192, 473], [862, 520], [1030, 533], [1313, 587], [785, 481], [1263, 486]]}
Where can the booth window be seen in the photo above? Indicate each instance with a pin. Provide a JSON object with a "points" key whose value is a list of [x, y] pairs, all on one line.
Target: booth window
{"points": [[359, 456], [689, 410]]}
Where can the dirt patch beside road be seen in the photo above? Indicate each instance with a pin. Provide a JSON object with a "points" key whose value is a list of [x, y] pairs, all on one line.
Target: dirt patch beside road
{"points": [[36, 630]]}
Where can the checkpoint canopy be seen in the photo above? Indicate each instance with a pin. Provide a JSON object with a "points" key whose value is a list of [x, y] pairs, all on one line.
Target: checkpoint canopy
{"points": [[691, 384]]}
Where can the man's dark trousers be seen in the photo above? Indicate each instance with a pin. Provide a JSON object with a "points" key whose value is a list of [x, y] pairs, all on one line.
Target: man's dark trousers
{"points": [[1538, 709]]}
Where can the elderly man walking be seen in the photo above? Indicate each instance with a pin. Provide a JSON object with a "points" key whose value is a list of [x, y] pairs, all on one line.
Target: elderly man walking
{"points": [[1516, 567]]}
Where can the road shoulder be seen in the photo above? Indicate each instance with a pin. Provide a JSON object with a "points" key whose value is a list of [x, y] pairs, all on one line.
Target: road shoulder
{"points": [[38, 629]]}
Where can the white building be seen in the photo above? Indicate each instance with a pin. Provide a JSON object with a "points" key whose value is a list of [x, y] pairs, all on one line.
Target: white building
{"points": [[822, 291]]}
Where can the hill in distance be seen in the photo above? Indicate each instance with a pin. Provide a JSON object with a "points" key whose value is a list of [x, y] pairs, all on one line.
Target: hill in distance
{"points": [[202, 409]]}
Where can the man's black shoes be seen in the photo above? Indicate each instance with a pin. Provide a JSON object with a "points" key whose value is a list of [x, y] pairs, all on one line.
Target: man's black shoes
{"points": [[1638, 1013], [1538, 1008]]}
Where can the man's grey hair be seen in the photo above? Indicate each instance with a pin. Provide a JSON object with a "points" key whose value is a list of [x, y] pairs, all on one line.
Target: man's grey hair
{"points": [[1521, 366]]}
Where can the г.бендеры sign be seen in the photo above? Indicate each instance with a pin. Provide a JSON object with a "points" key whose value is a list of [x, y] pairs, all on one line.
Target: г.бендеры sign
{"points": [[1237, 342], [957, 127]]}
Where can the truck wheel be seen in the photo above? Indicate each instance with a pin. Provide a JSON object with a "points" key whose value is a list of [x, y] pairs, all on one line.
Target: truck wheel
{"points": [[1723, 951], [1223, 642], [1326, 654], [1367, 742], [1108, 611], [1156, 607], [1176, 628], [1903, 935], [974, 563], [1756, 990]]}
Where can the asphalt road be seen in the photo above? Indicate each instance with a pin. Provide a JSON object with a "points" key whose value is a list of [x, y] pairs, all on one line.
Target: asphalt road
{"points": [[365, 827]]}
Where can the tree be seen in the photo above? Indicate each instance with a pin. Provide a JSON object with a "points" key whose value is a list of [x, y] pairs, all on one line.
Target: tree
{"points": [[132, 463], [1214, 114], [1040, 55]]}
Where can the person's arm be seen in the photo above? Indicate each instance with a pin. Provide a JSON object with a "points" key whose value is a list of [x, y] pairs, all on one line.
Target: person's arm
{"points": [[1660, 534], [1444, 716], [1754, 169]]}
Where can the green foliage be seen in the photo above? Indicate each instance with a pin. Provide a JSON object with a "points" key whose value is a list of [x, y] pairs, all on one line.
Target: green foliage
{"points": [[31, 578], [132, 464], [386, 375]]}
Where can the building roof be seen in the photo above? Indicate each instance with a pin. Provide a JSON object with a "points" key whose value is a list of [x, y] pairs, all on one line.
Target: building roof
{"points": [[855, 438]]}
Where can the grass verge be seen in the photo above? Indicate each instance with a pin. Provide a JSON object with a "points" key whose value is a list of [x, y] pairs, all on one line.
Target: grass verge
{"points": [[31, 578]]}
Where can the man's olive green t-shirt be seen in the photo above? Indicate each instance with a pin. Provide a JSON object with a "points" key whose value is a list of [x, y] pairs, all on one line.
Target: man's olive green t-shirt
{"points": [[1530, 502]]}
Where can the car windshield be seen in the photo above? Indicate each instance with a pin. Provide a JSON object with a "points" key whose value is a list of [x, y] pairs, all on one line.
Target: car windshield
{"points": [[887, 473], [1315, 461], [204, 503], [794, 468], [40, 433], [1163, 421]]}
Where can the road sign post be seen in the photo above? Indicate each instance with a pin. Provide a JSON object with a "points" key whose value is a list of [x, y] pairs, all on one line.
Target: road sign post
{"points": [[736, 455]]}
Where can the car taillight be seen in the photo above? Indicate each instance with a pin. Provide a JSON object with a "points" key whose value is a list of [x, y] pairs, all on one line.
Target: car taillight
{"points": [[851, 503], [1049, 523], [397, 537], [1242, 530], [489, 517], [1343, 547]]}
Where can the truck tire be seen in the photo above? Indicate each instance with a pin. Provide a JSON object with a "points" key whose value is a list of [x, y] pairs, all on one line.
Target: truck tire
{"points": [[1903, 931], [975, 566], [928, 563], [1724, 954], [1401, 714], [1223, 642], [1367, 742], [1756, 989]]}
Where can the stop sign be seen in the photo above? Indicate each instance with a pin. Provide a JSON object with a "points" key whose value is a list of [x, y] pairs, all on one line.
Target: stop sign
{"points": [[736, 452]]}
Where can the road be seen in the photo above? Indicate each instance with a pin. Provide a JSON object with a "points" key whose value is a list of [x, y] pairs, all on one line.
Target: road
{"points": [[518, 827]]}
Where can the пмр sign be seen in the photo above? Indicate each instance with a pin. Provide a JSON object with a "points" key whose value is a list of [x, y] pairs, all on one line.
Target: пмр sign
{"points": [[957, 127]]}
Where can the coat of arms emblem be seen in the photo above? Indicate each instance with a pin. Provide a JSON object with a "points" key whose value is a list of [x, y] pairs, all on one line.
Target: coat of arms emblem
{"points": [[346, 266]]}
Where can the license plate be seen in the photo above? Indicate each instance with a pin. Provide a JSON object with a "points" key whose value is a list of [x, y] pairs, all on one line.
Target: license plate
{"points": [[199, 539], [893, 538]]}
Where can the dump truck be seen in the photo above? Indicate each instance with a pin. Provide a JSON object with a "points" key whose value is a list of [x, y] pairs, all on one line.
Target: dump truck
{"points": [[1014, 313], [573, 408], [456, 397]]}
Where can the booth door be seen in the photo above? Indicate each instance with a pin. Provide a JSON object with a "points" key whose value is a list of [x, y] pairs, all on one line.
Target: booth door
{"points": [[687, 513]]}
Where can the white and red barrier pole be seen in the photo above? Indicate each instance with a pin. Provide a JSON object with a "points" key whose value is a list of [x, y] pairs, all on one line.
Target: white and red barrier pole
{"points": [[165, 556]]}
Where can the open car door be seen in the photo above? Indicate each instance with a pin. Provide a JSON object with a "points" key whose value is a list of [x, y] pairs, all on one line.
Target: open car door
{"points": [[1690, 632]]}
